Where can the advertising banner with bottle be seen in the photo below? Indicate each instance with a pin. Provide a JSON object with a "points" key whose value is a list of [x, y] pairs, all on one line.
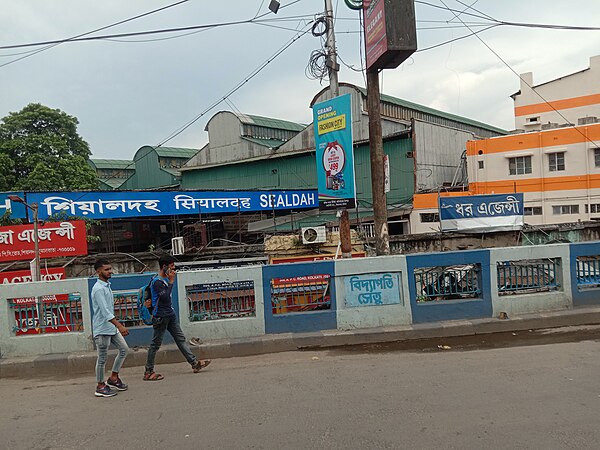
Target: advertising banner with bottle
{"points": [[335, 156]]}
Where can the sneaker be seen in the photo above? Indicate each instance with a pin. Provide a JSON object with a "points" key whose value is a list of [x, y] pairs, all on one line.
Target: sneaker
{"points": [[119, 385], [105, 391]]}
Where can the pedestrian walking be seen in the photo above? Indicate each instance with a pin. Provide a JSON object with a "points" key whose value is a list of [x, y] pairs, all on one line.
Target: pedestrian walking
{"points": [[164, 319], [107, 330]]}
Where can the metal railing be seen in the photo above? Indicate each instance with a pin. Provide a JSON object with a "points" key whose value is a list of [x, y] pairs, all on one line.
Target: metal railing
{"points": [[588, 272], [126, 310], [444, 283], [300, 294], [528, 276], [60, 313], [226, 300]]}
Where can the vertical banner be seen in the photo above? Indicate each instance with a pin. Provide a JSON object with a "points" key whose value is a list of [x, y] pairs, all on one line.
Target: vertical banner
{"points": [[334, 151]]}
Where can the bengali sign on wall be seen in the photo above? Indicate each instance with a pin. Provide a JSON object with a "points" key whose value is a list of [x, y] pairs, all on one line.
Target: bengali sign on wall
{"points": [[56, 239], [334, 152], [123, 204], [372, 289], [482, 213]]}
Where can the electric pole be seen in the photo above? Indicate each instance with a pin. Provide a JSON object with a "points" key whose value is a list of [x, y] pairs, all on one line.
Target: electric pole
{"points": [[382, 238], [332, 65]]}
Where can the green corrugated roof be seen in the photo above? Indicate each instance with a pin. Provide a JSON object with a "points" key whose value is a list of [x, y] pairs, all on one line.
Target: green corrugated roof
{"points": [[113, 182], [269, 143], [113, 164], [436, 112], [270, 123], [176, 152]]}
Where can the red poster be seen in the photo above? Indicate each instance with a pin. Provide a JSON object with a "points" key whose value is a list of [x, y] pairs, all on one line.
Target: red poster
{"points": [[24, 276], [375, 30], [55, 239], [56, 309]]}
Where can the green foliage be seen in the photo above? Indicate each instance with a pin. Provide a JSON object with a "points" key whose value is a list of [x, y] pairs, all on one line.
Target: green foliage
{"points": [[40, 149], [5, 220]]}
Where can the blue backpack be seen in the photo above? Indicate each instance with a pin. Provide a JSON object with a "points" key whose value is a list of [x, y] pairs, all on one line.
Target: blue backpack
{"points": [[144, 302]]}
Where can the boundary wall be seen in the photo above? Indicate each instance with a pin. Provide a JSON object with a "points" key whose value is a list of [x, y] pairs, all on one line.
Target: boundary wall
{"points": [[351, 294]]}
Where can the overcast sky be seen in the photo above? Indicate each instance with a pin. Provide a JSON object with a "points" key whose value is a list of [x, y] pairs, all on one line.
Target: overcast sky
{"points": [[127, 93]]}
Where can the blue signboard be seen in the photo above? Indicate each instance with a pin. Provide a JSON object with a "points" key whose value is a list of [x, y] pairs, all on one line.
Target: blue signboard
{"points": [[372, 289], [480, 213], [122, 204], [17, 210], [334, 151]]}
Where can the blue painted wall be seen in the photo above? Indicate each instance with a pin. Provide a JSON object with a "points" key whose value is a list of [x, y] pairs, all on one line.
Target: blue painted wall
{"points": [[451, 309], [297, 322], [586, 296]]}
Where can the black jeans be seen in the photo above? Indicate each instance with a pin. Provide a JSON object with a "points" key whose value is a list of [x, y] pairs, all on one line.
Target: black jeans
{"points": [[171, 324]]}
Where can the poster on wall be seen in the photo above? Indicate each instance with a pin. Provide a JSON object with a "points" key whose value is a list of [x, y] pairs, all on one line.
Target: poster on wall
{"points": [[334, 152], [482, 213], [17, 242]]}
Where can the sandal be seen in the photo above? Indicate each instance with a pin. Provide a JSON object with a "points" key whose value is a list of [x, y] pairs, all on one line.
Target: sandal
{"points": [[201, 364], [153, 376]]}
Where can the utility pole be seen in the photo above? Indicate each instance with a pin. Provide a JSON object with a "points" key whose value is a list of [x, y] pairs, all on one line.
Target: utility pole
{"points": [[332, 63], [382, 238]]}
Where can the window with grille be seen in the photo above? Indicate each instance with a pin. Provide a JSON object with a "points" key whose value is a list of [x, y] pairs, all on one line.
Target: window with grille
{"points": [[519, 165], [430, 217], [594, 208], [597, 157], [556, 161], [558, 210], [532, 211]]}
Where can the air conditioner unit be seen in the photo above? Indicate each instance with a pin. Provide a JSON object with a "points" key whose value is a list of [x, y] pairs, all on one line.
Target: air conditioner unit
{"points": [[313, 235], [177, 247]]}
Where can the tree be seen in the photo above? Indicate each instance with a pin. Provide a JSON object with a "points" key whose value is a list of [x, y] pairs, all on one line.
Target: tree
{"points": [[40, 150]]}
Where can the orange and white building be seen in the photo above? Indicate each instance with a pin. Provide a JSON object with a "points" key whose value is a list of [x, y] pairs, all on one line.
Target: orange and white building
{"points": [[574, 97], [555, 165]]}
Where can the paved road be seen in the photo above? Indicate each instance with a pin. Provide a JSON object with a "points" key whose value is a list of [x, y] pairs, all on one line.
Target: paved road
{"points": [[545, 397]]}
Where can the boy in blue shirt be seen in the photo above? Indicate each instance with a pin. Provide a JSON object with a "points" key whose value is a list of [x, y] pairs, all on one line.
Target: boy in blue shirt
{"points": [[164, 319], [106, 330]]}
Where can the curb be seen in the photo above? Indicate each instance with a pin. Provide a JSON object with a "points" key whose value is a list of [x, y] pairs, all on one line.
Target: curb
{"points": [[79, 363]]}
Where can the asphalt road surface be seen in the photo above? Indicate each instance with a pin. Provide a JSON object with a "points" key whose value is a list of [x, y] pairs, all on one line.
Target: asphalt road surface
{"points": [[370, 397]]}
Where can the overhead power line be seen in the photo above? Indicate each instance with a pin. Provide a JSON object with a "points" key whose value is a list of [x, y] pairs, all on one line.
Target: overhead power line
{"points": [[145, 33], [491, 20], [54, 44], [236, 88], [476, 34]]}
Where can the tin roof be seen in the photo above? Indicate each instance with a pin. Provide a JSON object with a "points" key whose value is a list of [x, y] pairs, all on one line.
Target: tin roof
{"points": [[432, 111], [113, 164], [175, 152], [269, 122], [268, 142]]}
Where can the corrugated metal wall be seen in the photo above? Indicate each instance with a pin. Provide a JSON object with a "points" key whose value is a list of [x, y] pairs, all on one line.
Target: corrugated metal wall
{"points": [[147, 174], [438, 153], [299, 172]]}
